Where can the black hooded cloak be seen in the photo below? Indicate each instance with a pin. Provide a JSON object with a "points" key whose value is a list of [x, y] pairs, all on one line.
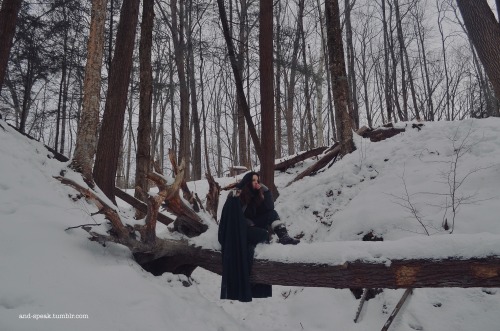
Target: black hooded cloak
{"points": [[237, 256]]}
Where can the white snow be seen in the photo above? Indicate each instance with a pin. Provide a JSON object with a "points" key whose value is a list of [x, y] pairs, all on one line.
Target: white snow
{"points": [[47, 270]]}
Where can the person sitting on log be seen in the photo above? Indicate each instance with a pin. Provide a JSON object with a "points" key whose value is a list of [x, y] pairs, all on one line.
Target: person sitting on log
{"points": [[258, 207], [246, 215]]}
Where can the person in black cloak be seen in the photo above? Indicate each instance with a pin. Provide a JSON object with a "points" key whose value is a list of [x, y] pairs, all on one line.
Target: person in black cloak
{"points": [[246, 217]]}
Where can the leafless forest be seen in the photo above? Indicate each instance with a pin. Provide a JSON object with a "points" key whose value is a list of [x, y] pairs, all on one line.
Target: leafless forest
{"points": [[159, 75]]}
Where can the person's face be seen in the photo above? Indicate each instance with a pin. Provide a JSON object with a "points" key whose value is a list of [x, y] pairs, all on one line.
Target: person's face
{"points": [[255, 182]]}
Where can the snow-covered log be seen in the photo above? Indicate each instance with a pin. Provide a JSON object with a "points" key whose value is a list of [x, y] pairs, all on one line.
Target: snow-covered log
{"points": [[177, 256]]}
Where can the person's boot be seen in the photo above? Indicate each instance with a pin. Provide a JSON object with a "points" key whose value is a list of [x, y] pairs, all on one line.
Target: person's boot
{"points": [[283, 236]]}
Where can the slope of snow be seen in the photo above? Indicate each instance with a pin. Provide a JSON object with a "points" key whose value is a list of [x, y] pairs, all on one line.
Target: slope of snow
{"points": [[47, 270]]}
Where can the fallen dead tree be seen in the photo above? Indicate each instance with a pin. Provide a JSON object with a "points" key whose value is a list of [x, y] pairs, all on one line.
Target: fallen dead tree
{"points": [[284, 165], [414, 273], [331, 154], [177, 256]]}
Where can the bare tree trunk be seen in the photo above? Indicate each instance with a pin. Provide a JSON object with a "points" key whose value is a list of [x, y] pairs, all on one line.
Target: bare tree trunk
{"points": [[177, 28], [394, 68], [443, 50], [196, 158], [266, 93], [351, 73], [340, 85], [277, 93], [172, 108], [291, 83], [328, 77], [242, 144], [484, 31], [404, 87], [307, 93], [319, 101], [114, 113], [86, 139], [8, 19], [410, 75], [387, 93], [143, 155], [426, 78]]}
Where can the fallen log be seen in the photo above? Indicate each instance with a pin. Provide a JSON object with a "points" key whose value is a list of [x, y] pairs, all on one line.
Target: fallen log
{"points": [[177, 256], [318, 165], [381, 133], [137, 204], [284, 165]]}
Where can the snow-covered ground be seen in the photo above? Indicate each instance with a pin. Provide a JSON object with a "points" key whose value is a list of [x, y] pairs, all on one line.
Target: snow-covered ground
{"points": [[47, 271]]}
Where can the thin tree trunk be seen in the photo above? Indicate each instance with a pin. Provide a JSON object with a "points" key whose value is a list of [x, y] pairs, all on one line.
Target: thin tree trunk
{"points": [[143, 155], [340, 85], [307, 93], [426, 77], [242, 144], [114, 113], [387, 93], [196, 158], [86, 140], [8, 19], [319, 101], [266, 93], [404, 87], [328, 76], [348, 5], [277, 93], [292, 80], [177, 28]]}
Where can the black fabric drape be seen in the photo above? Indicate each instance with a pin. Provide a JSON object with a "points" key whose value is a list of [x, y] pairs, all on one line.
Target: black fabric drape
{"points": [[237, 256]]}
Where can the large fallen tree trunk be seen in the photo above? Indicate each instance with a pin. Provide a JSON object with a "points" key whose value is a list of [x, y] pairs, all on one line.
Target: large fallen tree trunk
{"points": [[329, 156], [177, 256], [159, 255], [284, 165]]}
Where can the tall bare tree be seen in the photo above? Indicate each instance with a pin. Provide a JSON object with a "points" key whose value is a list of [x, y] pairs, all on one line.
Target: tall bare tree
{"points": [[8, 18], [484, 31], [86, 141], [267, 93], [177, 28], [340, 86], [108, 146], [143, 155]]}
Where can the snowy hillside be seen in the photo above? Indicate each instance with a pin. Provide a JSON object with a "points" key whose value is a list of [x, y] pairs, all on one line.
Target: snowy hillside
{"points": [[398, 189]]}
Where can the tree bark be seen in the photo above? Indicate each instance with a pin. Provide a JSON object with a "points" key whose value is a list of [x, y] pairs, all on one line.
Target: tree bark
{"points": [[196, 131], [284, 165], [177, 28], [340, 86], [289, 116], [484, 31], [143, 154], [404, 273], [86, 140], [108, 147], [8, 19], [267, 94], [277, 93], [348, 5]]}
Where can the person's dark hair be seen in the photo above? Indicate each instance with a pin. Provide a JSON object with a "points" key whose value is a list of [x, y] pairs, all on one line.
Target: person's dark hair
{"points": [[248, 195]]}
